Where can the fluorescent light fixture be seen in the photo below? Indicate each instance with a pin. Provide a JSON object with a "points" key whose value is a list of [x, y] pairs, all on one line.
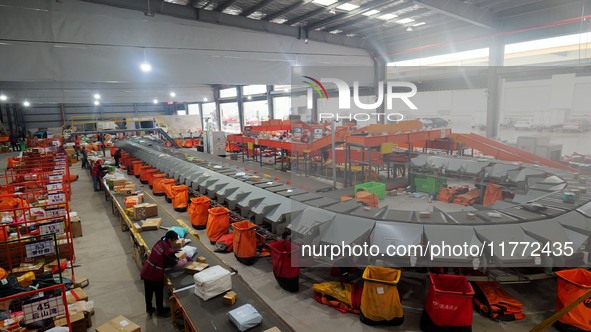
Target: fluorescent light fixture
{"points": [[155, 101], [146, 67], [405, 21], [409, 29], [205, 99], [96, 103], [419, 24], [3, 97], [347, 6], [371, 12], [26, 103], [172, 94], [278, 20], [325, 2], [97, 96], [387, 17]]}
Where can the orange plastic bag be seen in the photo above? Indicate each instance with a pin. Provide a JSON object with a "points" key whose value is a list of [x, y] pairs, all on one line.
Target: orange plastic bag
{"points": [[146, 174], [142, 170], [368, 199], [136, 167], [154, 177], [570, 285], [245, 242], [218, 223], [158, 188], [199, 211], [168, 184], [188, 143], [180, 198]]}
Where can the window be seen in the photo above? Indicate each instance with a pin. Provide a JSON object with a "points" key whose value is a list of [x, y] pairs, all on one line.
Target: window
{"points": [[193, 109], [254, 90], [255, 112], [230, 118], [281, 88], [181, 112], [209, 116], [228, 93], [281, 107]]}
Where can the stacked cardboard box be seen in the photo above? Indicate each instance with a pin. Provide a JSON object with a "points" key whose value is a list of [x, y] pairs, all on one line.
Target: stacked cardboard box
{"points": [[145, 210], [119, 324]]}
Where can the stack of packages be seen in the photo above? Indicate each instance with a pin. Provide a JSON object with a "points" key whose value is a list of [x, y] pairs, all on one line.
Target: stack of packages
{"points": [[468, 198], [492, 301]]}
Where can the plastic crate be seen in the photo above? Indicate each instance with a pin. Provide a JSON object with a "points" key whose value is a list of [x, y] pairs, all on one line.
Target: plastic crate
{"points": [[429, 184], [373, 187]]}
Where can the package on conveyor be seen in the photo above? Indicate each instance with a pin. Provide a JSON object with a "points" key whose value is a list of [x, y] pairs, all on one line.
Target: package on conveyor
{"points": [[151, 224], [132, 201], [78, 322], [245, 317], [145, 210], [126, 189], [195, 267], [212, 282]]}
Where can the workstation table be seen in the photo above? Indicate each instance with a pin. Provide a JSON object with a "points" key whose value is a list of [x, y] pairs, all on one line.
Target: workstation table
{"points": [[198, 315]]}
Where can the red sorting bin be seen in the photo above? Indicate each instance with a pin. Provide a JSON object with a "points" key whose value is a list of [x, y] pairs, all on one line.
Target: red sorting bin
{"points": [[180, 197], [285, 267], [136, 167], [154, 177], [142, 169], [146, 174], [449, 304]]}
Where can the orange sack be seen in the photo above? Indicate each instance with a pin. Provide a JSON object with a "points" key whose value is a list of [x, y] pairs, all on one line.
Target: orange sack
{"points": [[199, 211], [180, 198], [570, 285], [168, 184], [245, 242], [218, 223]]}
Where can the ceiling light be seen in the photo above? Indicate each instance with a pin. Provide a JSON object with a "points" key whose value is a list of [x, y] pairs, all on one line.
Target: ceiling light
{"points": [[387, 17], [409, 29], [249, 97], [26, 103], [155, 101], [172, 94], [97, 96], [371, 12], [325, 2], [3, 97], [332, 11], [419, 24], [405, 21], [278, 20], [347, 6], [205, 99], [96, 103], [146, 67]]}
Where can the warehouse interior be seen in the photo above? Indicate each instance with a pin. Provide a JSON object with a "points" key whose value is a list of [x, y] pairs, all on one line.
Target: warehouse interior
{"points": [[257, 129]]}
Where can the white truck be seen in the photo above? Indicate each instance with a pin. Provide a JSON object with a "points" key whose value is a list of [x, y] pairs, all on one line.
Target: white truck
{"points": [[551, 119]]}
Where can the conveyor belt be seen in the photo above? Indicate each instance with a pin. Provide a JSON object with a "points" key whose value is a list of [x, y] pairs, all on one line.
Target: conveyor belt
{"points": [[206, 315], [268, 205]]}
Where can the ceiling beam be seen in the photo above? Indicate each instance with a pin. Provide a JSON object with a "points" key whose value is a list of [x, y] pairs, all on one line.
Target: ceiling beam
{"points": [[286, 10], [249, 11], [314, 12], [355, 12], [343, 26], [223, 6], [462, 11]]}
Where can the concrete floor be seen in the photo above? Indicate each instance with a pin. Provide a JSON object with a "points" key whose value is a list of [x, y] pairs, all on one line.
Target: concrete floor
{"points": [[103, 254]]}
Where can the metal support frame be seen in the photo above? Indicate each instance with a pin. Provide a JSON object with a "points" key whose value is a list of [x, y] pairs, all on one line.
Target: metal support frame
{"points": [[240, 102], [493, 107], [270, 106], [379, 67], [462, 11]]}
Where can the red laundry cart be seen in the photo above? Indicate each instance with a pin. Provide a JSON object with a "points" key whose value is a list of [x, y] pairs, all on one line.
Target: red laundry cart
{"points": [[285, 268], [570, 285], [449, 304]]}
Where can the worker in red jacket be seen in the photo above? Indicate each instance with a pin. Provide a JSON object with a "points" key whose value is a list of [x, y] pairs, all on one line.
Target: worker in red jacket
{"points": [[161, 257]]}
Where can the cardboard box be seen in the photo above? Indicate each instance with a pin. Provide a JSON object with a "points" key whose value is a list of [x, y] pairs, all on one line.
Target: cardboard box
{"points": [[201, 259], [81, 283], [230, 298], [137, 227], [77, 322], [181, 255], [195, 267], [76, 227], [178, 244], [151, 224], [425, 214], [24, 268], [273, 329], [145, 210], [76, 294], [119, 324], [54, 263]]}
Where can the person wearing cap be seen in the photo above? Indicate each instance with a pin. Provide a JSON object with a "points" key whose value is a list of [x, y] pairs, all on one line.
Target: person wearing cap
{"points": [[161, 257]]}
